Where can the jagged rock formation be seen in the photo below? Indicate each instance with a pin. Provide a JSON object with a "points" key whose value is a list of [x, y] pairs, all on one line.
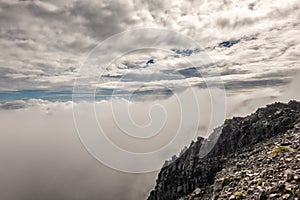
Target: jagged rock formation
{"points": [[246, 162]]}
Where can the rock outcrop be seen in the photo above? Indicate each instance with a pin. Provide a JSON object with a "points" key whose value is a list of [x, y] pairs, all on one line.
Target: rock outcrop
{"points": [[255, 157]]}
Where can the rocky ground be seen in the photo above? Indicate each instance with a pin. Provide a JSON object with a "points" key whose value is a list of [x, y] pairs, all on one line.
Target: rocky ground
{"points": [[256, 157], [268, 170]]}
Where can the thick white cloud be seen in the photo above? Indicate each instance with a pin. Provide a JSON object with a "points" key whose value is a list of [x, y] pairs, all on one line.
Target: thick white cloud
{"points": [[42, 157]]}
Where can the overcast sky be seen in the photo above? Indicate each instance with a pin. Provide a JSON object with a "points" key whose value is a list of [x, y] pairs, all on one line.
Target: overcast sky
{"points": [[44, 43]]}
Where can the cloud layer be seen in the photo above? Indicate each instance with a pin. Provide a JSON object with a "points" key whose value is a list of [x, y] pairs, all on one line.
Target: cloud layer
{"points": [[46, 42], [43, 158]]}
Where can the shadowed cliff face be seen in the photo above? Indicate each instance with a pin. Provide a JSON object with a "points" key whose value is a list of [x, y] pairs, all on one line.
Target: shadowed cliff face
{"points": [[197, 167]]}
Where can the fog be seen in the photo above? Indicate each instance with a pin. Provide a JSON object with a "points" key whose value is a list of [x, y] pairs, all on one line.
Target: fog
{"points": [[42, 156]]}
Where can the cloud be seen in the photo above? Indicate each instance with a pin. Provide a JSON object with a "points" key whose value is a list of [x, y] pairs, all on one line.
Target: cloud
{"points": [[114, 17], [48, 38], [43, 158]]}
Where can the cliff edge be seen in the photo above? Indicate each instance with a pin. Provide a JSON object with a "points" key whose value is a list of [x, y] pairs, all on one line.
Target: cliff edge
{"points": [[255, 157]]}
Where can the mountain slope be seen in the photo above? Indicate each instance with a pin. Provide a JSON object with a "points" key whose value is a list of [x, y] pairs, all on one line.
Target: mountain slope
{"points": [[193, 176]]}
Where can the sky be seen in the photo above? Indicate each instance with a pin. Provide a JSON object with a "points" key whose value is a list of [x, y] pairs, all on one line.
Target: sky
{"points": [[67, 66], [250, 43]]}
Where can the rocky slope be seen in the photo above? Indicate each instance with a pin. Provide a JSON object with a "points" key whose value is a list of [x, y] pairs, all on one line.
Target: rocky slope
{"points": [[255, 157]]}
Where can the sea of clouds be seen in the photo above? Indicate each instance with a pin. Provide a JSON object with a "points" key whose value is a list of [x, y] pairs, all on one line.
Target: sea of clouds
{"points": [[42, 156]]}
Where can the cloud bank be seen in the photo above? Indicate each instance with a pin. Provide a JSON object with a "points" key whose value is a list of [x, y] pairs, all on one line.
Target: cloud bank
{"points": [[43, 158]]}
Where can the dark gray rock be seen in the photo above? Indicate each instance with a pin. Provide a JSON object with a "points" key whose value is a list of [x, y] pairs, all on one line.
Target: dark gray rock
{"points": [[244, 155]]}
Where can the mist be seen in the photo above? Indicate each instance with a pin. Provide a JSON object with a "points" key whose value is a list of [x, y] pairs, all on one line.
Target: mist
{"points": [[42, 156]]}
